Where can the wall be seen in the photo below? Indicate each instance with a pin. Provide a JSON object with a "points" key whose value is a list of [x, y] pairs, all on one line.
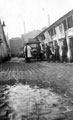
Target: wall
{"points": [[3, 45]]}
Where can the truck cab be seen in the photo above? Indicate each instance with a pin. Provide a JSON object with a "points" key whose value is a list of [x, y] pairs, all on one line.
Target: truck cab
{"points": [[34, 48]]}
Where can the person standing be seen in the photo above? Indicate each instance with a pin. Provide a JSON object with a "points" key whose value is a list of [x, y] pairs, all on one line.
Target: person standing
{"points": [[38, 52], [48, 52], [53, 53], [27, 50], [41, 52], [57, 55], [64, 51]]}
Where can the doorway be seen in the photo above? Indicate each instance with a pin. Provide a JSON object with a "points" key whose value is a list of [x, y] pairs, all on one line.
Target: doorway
{"points": [[71, 48]]}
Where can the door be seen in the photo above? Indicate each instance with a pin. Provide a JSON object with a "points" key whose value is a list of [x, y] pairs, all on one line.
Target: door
{"points": [[71, 48]]}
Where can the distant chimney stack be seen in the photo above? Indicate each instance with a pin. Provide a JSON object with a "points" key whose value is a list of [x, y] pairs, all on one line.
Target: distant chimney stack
{"points": [[24, 28], [48, 20]]}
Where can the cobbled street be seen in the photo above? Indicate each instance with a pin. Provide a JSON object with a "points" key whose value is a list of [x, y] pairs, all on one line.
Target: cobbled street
{"points": [[36, 90]]}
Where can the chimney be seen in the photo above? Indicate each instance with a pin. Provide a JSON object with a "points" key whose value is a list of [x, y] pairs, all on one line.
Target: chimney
{"points": [[48, 20]]}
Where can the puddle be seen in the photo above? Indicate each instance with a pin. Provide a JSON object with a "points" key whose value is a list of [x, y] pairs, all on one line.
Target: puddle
{"points": [[22, 102]]}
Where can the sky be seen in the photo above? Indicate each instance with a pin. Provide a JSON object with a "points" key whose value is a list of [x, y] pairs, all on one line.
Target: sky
{"points": [[33, 14]]}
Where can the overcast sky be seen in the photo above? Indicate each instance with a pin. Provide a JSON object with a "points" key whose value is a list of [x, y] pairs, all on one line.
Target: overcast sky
{"points": [[33, 12]]}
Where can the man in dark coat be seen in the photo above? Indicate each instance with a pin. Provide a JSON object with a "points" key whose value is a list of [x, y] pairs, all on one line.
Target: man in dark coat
{"points": [[64, 51], [57, 55], [38, 52], [48, 52]]}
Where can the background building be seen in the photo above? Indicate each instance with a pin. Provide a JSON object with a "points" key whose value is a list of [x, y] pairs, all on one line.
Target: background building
{"points": [[17, 44], [30, 35]]}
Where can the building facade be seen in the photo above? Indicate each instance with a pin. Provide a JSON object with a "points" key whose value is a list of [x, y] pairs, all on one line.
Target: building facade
{"points": [[4, 48], [60, 31]]}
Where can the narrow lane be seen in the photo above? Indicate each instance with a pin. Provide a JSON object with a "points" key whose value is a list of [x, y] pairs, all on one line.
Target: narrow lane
{"points": [[36, 90]]}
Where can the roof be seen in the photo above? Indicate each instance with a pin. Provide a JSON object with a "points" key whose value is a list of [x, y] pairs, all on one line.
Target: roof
{"points": [[56, 23]]}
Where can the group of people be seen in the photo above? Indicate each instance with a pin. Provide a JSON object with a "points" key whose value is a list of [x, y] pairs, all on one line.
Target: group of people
{"points": [[49, 53], [53, 52]]}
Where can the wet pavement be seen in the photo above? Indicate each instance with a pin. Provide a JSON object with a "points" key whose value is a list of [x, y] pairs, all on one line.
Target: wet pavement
{"points": [[27, 93]]}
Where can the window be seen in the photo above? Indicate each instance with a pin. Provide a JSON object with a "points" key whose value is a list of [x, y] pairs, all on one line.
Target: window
{"points": [[64, 23], [33, 45], [43, 36], [70, 22], [49, 32], [52, 31]]}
